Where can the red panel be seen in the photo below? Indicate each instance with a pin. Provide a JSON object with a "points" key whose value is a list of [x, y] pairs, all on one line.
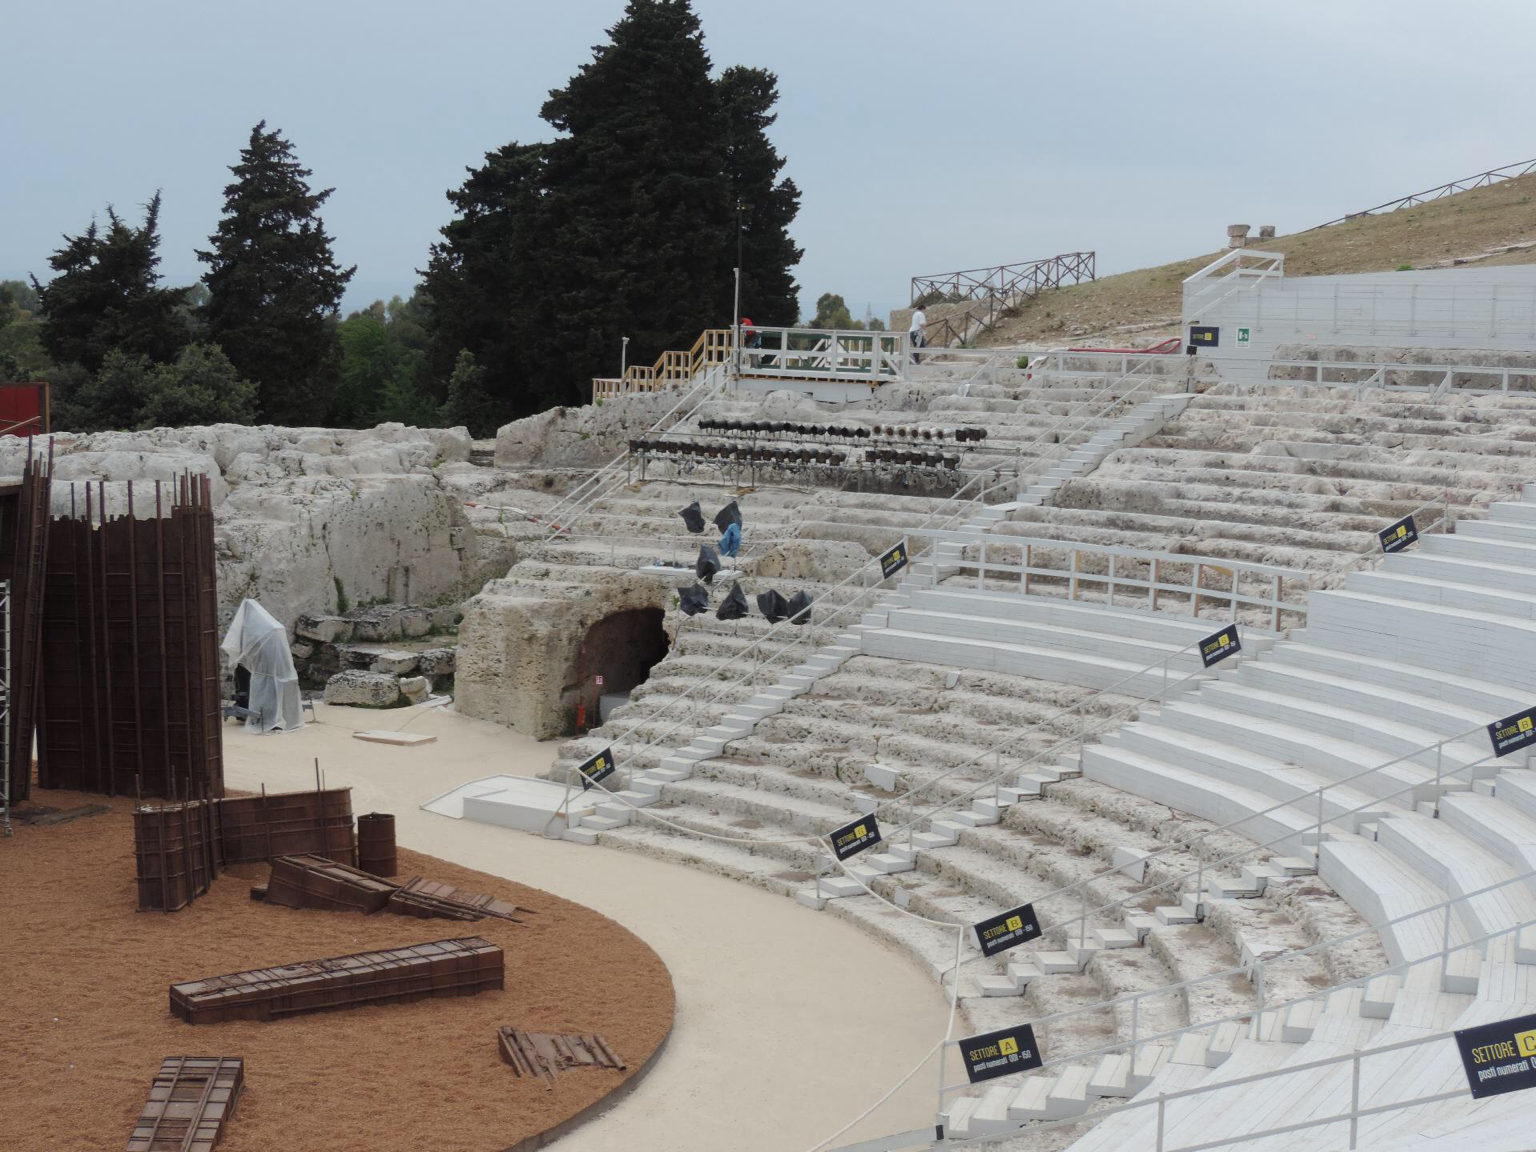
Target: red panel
{"points": [[21, 409]]}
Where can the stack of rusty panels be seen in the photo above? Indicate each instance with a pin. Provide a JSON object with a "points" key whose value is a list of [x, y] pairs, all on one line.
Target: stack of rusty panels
{"points": [[189, 1101], [257, 828], [23, 562], [545, 1053], [131, 671], [460, 967], [315, 882], [431, 899], [176, 852]]}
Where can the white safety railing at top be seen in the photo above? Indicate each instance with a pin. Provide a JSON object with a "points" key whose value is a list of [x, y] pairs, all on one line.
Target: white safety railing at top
{"points": [[1155, 576], [1238, 270], [824, 353], [1359, 376]]}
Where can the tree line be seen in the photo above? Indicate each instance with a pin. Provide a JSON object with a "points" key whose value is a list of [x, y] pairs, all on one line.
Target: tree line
{"points": [[625, 224]]}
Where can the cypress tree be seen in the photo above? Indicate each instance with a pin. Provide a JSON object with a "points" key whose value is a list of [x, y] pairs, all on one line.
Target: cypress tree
{"points": [[107, 296], [274, 284], [769, 293], [638, 214]]}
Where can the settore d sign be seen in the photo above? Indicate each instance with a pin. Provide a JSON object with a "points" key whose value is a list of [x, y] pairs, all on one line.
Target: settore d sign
{"points": [[1500, 1057], [1219, 645], [1000, 1053], [854, 837], [1011, 928], [596, 769], [1513, 733], [1396, 537], [893, 560]]}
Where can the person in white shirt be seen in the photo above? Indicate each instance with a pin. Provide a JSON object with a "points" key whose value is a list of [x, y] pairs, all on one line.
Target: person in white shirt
{"points": [[917, 329]]}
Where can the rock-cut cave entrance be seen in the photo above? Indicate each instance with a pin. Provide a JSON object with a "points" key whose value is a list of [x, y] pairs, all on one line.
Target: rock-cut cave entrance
{"points": [[621, 649]]}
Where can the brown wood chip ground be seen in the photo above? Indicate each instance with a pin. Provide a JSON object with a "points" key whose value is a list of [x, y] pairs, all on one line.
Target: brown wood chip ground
{"points": [[429, 898], [315, 882], [545, 1053], [189, 1101]]}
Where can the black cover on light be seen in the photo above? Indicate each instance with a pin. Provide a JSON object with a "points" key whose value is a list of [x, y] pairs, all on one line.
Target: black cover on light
{"points": [[727, 516], [734, 606], [707, 564], [693, 599], [773, 606], [800, 608], [693, 517]]}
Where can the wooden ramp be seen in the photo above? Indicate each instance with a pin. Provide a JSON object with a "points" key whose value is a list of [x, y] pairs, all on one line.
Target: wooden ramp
{"points": [[189, 1101], [546, 1053], [315, 882], [430, 899]]}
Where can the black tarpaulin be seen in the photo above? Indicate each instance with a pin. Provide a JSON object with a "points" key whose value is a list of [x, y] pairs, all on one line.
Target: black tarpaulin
{"points": [[693, 517], [800, 608], [734, 606], [694, 599], [727, 516], [707, 564], [772, 605]]}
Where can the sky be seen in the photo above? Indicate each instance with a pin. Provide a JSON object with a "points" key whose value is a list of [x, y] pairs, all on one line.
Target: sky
{"points": [[924, 137]]}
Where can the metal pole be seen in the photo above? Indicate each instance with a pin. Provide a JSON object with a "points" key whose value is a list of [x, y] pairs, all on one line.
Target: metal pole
{"points": [[1199, 875], [1445, 945], [1354, 1099], [1258, 1019], [5, 705], [623, 358], [1162, 1101]]}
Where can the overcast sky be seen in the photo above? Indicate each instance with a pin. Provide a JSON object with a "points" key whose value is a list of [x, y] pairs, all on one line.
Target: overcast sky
{"points": [[924, 137]]}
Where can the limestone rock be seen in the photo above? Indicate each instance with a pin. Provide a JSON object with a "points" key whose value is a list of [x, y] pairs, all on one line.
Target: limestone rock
{"points": [[416, 689], [415, 621], [437, 662], [326, 629], [302, 649], [395, 663], [364, 689], [447, 617], [376, 623]]}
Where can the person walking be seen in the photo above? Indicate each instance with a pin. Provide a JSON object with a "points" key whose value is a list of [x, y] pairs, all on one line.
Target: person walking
{"points": [[917, 333]]}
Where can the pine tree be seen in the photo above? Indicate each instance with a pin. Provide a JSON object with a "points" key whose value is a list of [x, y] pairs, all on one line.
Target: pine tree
{"points": [[274, 283], [769, 293], [637, 212], [468, 402], [107, 295]]}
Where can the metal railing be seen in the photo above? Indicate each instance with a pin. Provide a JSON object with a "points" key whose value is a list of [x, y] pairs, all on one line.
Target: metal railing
{"points": [[1439, 380], [1205, 290], [671, 370], [1155, 584], [1005, 280], [829, 354], [1491, 176]]}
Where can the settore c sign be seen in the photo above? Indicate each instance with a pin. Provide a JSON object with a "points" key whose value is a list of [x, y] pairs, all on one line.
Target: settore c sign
{"points": [[1007, 930], [1398, 536], [1219, 645], [1499, 1058], [596, 769], [853, 838], [1513, 733], [1000, 1053], [893, 561]]}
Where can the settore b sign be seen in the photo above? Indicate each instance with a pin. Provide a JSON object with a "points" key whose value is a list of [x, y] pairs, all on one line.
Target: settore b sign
{"points": [[1398, 536], [598, 768], [893, 561], [851, 839], [1499, 1057], [1000, 1053], [1007, 930], [1219, 645], [1513, 733]]}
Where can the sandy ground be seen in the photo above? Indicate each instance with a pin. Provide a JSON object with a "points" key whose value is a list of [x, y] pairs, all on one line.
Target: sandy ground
{"points": [[785, 1025], [85, 981]]}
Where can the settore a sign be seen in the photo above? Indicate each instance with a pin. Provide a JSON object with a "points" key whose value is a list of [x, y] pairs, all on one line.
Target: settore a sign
{"points": [[1513, 733], [1500, 1057], [1000, 1053], [596, 768], [1011, 928], [893, 560], [1219, 645], [854, 837]]}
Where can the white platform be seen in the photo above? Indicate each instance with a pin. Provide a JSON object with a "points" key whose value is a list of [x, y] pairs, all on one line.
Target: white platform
{"points": [[513, 802]]}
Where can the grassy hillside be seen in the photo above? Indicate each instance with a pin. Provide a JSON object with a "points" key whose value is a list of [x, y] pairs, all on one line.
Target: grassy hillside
{"points": [[1474, 227]]}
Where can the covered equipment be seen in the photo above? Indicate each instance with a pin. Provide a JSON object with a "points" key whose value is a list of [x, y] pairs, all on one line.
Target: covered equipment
{"points": [[258, 642]]}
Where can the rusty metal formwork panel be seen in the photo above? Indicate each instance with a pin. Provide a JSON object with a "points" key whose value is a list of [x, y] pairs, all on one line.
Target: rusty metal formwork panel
{"points": [[176, 850], [429, 899], [318, 823], [131, 663], [315, 882], [459, 967], [546, 1053], [23, 560], [189, 1101]]}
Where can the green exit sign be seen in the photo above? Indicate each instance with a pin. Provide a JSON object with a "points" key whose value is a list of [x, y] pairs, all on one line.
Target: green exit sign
{"points": [[1244, 335]]}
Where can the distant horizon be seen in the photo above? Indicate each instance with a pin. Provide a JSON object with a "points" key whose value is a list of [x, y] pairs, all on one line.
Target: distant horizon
{"points": [[981, 139]]}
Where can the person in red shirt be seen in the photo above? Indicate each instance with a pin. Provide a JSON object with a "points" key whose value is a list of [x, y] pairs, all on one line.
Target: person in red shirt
{"points": [[750, 338]]}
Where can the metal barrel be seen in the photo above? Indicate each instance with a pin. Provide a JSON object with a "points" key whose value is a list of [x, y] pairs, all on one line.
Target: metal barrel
{"points": [[376, 844]]}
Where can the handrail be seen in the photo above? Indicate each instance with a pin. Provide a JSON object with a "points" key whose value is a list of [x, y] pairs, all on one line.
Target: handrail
{"points": [[1380, 369], [1465, 184]]}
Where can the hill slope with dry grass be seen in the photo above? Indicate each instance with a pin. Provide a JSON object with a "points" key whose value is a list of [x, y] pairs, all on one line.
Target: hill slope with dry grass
{"points": [[1492, 225]]}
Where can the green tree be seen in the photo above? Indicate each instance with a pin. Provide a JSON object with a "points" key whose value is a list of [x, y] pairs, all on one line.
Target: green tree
{"points": [[468, 401], [832, 312], [381, 367], [107, 296], [200, 387], [274, 282], [637, 209], [769, 293], [22, 356]]}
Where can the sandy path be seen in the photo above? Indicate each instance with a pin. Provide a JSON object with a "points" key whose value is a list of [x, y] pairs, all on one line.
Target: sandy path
{"points": [[785, 1026]]}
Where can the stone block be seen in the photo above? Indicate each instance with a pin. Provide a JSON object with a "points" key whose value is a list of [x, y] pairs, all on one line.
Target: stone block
{"points": [[302, 649], [437, 662], [446, 617], [366, 689], [326, 629], [353, 656], [415, 689], [381, 622], [395, 663], [415, 621]]}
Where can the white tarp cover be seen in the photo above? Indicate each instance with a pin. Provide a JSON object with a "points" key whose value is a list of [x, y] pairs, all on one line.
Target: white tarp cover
{"points": [[257, 640]]}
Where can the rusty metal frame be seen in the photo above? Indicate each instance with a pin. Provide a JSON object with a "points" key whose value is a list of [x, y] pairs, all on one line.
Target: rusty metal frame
{"points": [[1004, 281], [1466, 184], [23, 557]]}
